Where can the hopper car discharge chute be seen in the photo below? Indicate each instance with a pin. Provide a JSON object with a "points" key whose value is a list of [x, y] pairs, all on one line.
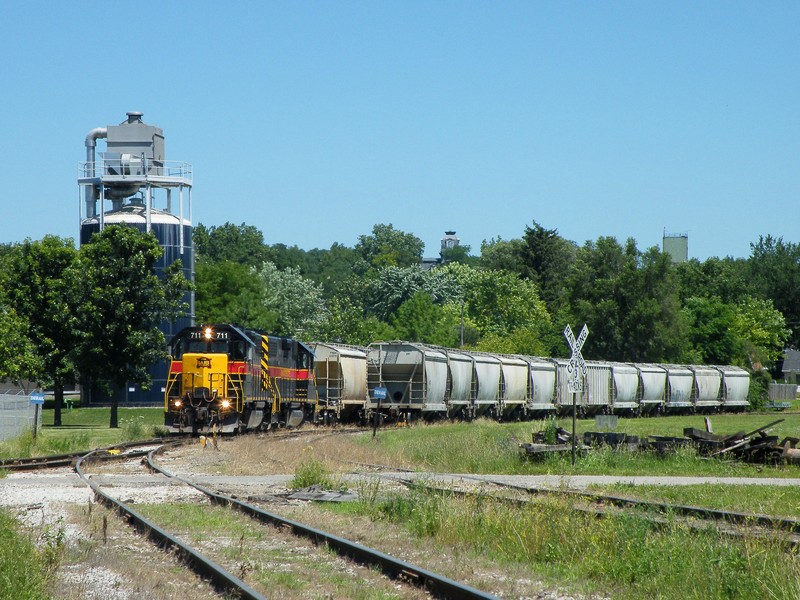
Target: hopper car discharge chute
{"points": [[226, 379]]}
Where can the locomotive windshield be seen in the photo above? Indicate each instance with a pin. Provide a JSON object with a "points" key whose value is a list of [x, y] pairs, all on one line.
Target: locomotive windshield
{"points": [[199, 346]]}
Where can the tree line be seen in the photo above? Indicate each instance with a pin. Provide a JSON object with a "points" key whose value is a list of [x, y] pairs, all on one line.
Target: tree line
{"points": [[516, 296], [92, 315]]}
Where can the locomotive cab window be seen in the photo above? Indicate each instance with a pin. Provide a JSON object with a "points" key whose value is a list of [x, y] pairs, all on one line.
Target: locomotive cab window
{"points": [[237, 351], [177, 349], [201, 346]]}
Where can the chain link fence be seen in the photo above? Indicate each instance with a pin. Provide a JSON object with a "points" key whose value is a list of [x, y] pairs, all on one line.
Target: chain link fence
{"points": [[17, 415]]}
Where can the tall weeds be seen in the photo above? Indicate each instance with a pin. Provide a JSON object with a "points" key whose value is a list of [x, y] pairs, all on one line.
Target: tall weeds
{"points": [[628, 554], [24, 571], [312, 471]]}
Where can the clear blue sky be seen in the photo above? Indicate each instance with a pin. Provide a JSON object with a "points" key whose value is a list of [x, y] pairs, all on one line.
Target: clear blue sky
{"points": [[315, 120]]}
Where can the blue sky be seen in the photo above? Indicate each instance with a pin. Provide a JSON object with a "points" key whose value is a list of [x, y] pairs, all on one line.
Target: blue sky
{"points": [[316, 120]]}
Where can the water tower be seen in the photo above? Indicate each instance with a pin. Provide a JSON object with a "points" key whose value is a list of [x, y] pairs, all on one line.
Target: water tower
{"points": [[132, 183], [677, 246]]}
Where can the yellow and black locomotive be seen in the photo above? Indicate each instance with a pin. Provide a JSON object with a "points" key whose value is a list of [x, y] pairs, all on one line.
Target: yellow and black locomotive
{"points": [[231, 379]]}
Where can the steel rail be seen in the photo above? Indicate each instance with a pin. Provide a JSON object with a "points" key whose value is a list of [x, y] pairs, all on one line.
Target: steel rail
{"points": [[200, 564], [767, 522], [53, 461], [739, 518], [438, 585]]}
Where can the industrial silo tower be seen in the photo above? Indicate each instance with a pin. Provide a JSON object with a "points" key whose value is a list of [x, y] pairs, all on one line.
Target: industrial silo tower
{"points": [[132, 183], [677, 246]]}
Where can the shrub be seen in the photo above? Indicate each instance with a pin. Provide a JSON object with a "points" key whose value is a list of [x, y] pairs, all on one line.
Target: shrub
{"points": [[759, 389], [312, 471]]}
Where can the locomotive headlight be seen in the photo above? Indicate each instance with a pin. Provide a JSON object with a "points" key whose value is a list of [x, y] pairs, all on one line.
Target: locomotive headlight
{"points": [[226, 404], [208, 333], [177, 404]]}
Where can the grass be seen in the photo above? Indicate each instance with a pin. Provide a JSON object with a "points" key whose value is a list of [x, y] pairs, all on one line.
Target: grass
{"points": [[84, 429], [781, 501], [24, 570], [257, 554], [624, 556], [478, 447], [203, 522], [488, 447], [312, 471]]}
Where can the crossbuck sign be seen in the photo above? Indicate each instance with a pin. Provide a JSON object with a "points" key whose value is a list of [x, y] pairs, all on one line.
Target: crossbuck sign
{"points": [[576, 369]]}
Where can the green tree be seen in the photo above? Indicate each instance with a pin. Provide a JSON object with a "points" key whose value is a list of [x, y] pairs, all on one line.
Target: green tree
{"points": [[347, 324], [502, 255], [712, 333], [500, 303], [390, 287], [458, 254], [121, 303], [547, 258], [388, 247], [726, 279], [41, 288], [774, 271], [762, 330], [297, 301], [333, 269], [419, 319], [242, 244], [527, 340], [629, 300], [286, 257], [229, 292], [18, 357]]}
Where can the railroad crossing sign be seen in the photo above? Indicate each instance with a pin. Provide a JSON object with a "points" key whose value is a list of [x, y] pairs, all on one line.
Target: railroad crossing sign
{"points": [[576, 369]]}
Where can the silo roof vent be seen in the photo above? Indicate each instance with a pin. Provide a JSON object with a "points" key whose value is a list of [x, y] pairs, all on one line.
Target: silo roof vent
{"points": [[134, 117]]}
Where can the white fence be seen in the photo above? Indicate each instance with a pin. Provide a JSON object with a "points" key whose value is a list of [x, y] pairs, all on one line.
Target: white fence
{"points": [[16, 415]]}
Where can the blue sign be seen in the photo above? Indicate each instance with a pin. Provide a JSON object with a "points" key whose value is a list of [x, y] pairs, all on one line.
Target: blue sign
{"points": [[37, 398], [379, 393]]}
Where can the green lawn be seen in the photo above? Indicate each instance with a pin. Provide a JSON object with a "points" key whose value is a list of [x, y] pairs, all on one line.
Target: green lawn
{"points": [[85, 429]]}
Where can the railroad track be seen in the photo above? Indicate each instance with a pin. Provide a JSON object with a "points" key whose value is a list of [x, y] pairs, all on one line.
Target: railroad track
{"points": [[200, 564], [730, 523], [769, 522], [119, 451], [229, 583]]}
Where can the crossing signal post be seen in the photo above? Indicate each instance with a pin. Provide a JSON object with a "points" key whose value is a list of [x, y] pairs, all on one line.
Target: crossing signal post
{"points": [[576, 371]]}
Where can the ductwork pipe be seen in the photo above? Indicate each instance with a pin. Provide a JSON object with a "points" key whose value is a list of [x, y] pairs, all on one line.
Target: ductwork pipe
{"points": [[90, 195]]}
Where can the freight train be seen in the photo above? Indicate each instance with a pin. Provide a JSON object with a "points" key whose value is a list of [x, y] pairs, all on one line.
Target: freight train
{"points": [[236, 379]]}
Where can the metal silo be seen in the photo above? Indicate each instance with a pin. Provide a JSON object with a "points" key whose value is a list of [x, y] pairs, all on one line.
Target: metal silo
{"points": [[132, 183]]}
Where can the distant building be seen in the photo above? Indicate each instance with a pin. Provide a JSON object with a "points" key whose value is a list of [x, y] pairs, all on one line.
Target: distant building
{"points": [[791, 366], [677, 246], [448, 241]]}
